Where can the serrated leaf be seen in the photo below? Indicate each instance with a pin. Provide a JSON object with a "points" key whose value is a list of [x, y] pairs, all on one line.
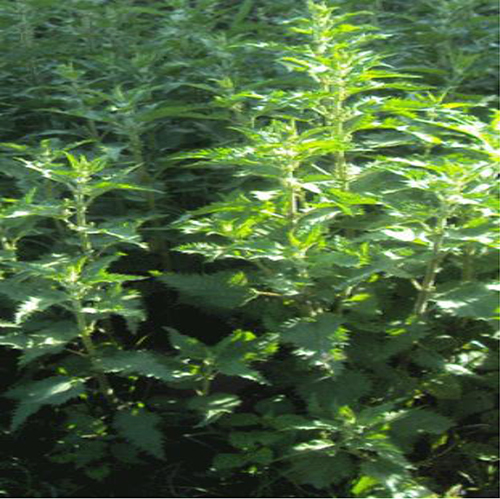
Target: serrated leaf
{"points": [[35, 304], [140, 428], [323, 470], [122, 230], [188, 346], [416, 422], [296, 422], [126, 453], [349, 387], [252, 439], [395, 478], [102, 186], [473, 299], [49, 391], [235, 352], [444, 386], [89, 451], [221, 290], [184, 111], [333, 258], [144, 363], [262, 456], [243, 419], [41, 341], [227, 461], [319, 340], [213, 406]]}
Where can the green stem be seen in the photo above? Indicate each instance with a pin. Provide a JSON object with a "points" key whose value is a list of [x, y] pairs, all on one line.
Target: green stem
{"points": [[340, 157], [27, 41], [208, 376], [81, 221], [468, 263], [427, 286], [158, 244], [333, 114], [85, 331]]}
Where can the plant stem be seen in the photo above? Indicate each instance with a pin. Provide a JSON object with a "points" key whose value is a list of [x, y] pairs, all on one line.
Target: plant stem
{"points": [[157, 243], [81, 221], [427, 286], [85, 331], [468, 263], [27, 36]]}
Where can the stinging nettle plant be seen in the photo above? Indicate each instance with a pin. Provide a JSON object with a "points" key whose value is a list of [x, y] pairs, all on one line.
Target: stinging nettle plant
{"points": [[319, 216], [65, 296], [343, 213], [64, 299]]}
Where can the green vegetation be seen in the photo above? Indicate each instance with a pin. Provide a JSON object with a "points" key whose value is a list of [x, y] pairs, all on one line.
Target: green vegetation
{"points": [[249, 249]]}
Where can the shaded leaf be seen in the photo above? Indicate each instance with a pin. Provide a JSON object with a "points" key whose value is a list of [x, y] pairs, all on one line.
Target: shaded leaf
{"points": [[140, 428], [49, 391]]}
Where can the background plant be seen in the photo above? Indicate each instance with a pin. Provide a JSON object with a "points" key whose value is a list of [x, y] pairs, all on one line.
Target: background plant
{"points": [[326, 323]]}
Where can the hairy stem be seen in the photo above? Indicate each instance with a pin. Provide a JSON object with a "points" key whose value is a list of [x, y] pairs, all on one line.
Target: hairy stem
{"points": [[85, 329], [158, 244], [468, 263], [427, 285]]}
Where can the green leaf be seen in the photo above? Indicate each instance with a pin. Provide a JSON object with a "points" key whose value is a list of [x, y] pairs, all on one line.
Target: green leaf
{"points": [[185, 111], [389, 473], [140, 428], [213, 406], [36, 304], [364, 485], [50, 391], [253, 439], [319, 340], [395, 479], [322, 470], [475, 299], [119, 230], [224, 290], [474, 402], [98, 473], [228, 461], [415, 422], [125, 453], [444, 386], [327, 394], [262, 456], [188, 346], [295, 422], [144, 363], [236, 351], [242, 419], [481, 451], [42, 341]]}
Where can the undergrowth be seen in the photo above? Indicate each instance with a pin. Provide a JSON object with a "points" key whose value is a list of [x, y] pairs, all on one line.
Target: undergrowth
{"points": [[249, 249]]}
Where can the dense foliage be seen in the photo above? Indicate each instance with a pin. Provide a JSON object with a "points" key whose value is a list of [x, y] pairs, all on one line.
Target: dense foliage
{"points": [[249, 248]]}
